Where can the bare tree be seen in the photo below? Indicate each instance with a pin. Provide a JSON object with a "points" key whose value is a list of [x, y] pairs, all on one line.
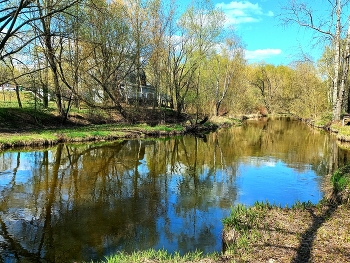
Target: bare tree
{"points": [[335, 30], [12, 23]]}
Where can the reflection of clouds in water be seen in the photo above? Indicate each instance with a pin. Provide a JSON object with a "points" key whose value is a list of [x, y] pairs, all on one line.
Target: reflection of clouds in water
{"points": [[259, 161], [19, 166], [269, 164]]}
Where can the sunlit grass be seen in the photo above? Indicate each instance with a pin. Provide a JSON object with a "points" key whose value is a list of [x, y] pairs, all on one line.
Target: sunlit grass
{"points": [[28, 139], [225, 121], [324, 119], [165, 128], [343, 130], [159, 256], [8, 99], [84, 133]]}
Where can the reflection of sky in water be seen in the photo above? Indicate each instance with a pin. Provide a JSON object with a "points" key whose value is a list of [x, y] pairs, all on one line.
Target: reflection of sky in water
{"points": [[188, 230], [191, 223], [23, 171], [273, 181], [179, 209]]}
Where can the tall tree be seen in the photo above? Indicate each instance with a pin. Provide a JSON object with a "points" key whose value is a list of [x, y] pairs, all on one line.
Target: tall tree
{"points": [[51, 34], [224, 70], [109, 53], [335, 28], [25, 21], [196, 34], [160, 20], [203, 24], [13, 24], [308, 92]]}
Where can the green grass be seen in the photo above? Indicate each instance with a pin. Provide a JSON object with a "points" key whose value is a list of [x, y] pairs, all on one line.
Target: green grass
{"points": [[166, 128], [8, 99], [302, 205], [28, 139], [159, 256], [341, 179], [78, 134], [225, 121], [324, 119], [242, 218]]}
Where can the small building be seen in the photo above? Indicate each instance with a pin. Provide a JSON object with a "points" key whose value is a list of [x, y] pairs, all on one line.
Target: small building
{"points": [[144, 94]]}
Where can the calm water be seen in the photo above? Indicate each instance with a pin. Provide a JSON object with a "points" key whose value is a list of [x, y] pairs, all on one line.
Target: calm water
{"points": [[79, 202]]}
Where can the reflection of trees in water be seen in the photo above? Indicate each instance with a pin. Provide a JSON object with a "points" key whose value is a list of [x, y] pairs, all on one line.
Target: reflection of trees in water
{"points": [[290, 141], [199, 191], [82, 198], [72, 194], [91, 199]]}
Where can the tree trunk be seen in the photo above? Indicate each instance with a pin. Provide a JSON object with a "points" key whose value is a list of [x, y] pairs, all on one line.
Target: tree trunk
{"points": [[18, 97], [337, 101], [50, 55], [345, 73]]}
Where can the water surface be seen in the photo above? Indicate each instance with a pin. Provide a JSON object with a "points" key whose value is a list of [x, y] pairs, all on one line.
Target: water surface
{"points": [[77, 202]]}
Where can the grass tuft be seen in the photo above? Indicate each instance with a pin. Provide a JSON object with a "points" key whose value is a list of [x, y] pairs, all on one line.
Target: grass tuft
{"points": [[242, 218], [159, 256], [341, 178]]}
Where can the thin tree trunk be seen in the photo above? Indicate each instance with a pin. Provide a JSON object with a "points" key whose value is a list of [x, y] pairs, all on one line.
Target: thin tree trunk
{"points": [[337, 101], [50, 55]]}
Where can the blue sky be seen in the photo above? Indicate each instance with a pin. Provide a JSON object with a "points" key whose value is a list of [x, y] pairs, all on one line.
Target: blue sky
{"points": [[258, 25]]}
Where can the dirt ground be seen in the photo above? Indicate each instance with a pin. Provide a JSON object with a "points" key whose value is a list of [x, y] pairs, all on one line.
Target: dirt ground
{"points": [[310, 233]]}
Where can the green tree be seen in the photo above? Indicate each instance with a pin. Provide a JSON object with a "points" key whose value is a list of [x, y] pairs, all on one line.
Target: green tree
{"points": [[335, 29], [197, 32], [224, 74], [310, 98], [108, 53], [203, 23]]}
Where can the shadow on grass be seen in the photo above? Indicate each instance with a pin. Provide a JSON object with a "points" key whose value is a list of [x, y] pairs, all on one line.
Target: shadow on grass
{"points": [[304, 250]]}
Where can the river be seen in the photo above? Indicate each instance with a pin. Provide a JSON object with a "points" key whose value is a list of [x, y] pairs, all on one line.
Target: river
{"points": [[82, 202]]}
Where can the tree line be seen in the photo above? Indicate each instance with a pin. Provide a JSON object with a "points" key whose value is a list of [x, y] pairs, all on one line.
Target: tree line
{"points": [[80, 53]]}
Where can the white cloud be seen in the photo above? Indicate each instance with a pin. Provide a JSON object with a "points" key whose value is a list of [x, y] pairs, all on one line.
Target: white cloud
{"points": [[261, 54], [242, 12], [270, 13]]}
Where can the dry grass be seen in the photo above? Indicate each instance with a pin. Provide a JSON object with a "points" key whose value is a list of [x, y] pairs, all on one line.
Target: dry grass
{"points": [[299, 235], [304, 233]]}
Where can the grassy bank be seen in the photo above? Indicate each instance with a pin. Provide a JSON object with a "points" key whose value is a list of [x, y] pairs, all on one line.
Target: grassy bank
{"points": [[85, 133], [157, 256], [29, 127], [268, 233], [301, 233]]}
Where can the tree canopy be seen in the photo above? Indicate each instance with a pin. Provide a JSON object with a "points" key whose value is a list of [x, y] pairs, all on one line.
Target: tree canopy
{"points": [[124, 55]]}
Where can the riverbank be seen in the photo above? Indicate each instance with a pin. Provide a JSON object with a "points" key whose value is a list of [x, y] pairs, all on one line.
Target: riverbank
{"points": [[23, 128], [302, 233], [268, 233], [342, 132], [262, 233]]}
